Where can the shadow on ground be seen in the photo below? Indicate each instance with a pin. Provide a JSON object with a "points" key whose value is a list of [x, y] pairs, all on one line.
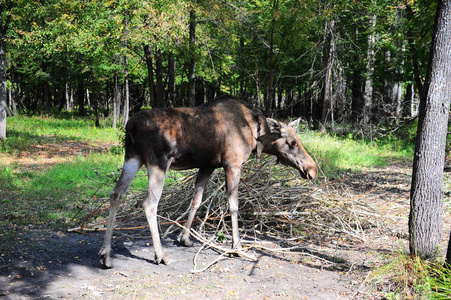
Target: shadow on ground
{"points": [[52, 265]]}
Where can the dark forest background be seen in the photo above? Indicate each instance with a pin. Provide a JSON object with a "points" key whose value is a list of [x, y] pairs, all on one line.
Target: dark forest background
{"points": [[338, 64]]}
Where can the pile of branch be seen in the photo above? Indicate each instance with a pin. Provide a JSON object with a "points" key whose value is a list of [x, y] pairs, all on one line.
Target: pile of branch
{"points": [[274, 202]]}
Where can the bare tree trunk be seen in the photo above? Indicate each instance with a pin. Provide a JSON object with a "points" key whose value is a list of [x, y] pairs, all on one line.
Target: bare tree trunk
{"points": [[13, 94], [96, 108], [116, 100], [3, 90], [46, 97], [171, 81], [69, 97], [149, 63], [392, 89], [81, 96], [192, 63], [426, 197], [126, 109], [159, 76], [327, 100], [3, 65], [411, 41], [368, 92], [269, 95]]}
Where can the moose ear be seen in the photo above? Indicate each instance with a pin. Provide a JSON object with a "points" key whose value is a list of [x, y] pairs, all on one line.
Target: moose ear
{"points": [[275, 126], [295, 124]]}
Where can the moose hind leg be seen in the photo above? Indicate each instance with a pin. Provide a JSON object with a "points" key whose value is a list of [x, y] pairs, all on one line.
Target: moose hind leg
{"points": [[129, 171], [232, 182], [201, 182], [150, 205]]}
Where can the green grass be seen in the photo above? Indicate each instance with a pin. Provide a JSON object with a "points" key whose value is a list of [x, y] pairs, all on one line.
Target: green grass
{"points": [[336, 155], [38, 194], [404, 276], [23, 132]]}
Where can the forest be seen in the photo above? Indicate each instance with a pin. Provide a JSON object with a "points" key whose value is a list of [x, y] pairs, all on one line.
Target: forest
{"points": [[368, 78], [357, 64]]}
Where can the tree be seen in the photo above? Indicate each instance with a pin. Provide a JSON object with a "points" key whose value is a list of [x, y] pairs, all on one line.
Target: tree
{"points": [[272, 53], [368, 91], [426, 198], [5, 6], [328, 104], [192, 61]]}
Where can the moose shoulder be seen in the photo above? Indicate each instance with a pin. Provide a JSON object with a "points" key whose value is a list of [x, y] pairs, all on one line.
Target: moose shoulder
{"points": [[220, 133]]}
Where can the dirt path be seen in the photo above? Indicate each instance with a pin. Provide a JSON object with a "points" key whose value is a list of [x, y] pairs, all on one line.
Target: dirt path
{"points": [[53, 265]]}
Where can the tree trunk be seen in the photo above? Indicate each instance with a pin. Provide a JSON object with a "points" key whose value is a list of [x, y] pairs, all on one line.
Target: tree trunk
{"points": [[13, 93], [3, 91], [126, 109], [3, 65], [96, 108], [159, 76], [116, 100], [269, 95], [149, 63], [192, 63], [426, 197], [81, 97], [368, 92], [392, 88], [171, 81], [46, 97], [327, 100], [411, 41], [69, 97]]}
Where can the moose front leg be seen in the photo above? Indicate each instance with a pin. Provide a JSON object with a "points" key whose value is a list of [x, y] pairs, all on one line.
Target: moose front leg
{"points": [[201, 182], [232, 181]]}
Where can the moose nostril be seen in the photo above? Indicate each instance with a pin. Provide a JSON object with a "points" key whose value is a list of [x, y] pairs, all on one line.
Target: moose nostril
{"points": [[311, 174]]}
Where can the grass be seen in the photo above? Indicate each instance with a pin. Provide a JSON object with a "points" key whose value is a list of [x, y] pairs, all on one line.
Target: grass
{"points": [[409, 277], [37, 192], [24, 132], [336, 155]]}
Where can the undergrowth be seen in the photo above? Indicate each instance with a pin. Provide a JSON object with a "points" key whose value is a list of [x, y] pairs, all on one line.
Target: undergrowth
{"points": [[409, 277]]}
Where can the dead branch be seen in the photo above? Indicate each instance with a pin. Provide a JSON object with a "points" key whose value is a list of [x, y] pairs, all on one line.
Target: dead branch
{"points": [[274, 202]]}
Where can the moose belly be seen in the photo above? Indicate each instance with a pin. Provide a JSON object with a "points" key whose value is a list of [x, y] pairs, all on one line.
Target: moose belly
{"points": [[190, 161]]}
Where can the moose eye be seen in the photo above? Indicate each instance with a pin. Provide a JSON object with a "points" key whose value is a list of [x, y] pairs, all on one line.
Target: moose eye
{"points": [[292, 143]]}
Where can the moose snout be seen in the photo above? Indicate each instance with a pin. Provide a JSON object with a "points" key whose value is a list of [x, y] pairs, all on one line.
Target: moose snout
{"points": [[310, 172]]}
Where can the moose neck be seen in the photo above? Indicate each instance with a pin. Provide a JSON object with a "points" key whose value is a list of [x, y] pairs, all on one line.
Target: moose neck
{"points": [[264, 138]]}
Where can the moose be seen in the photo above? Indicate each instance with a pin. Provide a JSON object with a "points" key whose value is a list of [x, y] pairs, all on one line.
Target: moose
{"points": [[220, 133]]}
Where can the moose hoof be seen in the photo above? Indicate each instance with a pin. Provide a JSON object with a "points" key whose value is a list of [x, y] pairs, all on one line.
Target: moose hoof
{"points": [[185, 242], [166, 260], [105, 261]]}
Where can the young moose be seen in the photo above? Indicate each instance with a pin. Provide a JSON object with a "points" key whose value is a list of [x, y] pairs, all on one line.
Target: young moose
{"points": [[220, 133]]}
